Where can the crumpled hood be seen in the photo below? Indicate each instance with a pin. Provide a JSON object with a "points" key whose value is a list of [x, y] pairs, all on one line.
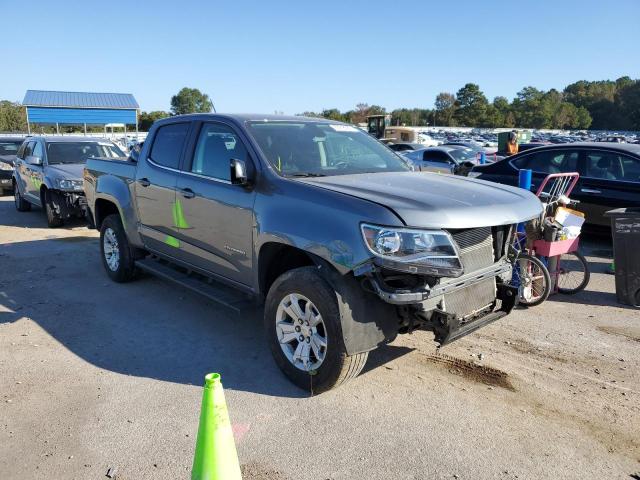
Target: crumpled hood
{"points": [[7, 159], [430, 200], [70, 171]]}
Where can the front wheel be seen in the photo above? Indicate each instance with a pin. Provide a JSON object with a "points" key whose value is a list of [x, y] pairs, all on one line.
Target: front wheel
{"points": [[303, 327], [573, 273], [117, 257], [54, 219], [532, 278]]}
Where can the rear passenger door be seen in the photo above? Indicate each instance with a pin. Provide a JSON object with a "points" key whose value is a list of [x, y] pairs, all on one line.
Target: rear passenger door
{"points": [[217, 230], [609, 179], [155, 188]]}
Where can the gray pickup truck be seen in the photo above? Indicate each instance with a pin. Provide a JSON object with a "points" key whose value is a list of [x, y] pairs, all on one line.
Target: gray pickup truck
{"points": [[346, 246]]}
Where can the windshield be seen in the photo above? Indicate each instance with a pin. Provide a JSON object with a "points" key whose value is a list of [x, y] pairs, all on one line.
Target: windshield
{"points": [[320, 149], [9, 148], [463, 154], [79, 152]]}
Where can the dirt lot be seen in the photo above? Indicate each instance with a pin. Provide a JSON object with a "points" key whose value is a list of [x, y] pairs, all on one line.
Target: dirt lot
{"points": [[97, 375]]}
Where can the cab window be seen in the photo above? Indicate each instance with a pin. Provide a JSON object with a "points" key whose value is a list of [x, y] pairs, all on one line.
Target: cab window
{"points": [[612, 166], [168, 143], [217, 145]]}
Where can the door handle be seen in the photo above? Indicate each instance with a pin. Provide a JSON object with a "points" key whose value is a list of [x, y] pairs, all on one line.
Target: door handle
{"points": [[187, 193], [144, 182], [589, 190]]}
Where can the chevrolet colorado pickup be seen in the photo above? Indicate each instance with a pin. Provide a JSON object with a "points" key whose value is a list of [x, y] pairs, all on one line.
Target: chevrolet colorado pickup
{"points": [[344, 243]]}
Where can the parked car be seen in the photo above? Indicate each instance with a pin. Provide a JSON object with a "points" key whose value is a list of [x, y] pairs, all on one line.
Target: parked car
{"points": [[444, 159], [345, 245], [404, 146], [8, 149], [609, 174], [48, 173]]}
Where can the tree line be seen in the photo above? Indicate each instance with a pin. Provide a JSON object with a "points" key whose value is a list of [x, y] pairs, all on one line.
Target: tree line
{"points": [[599, 105]]}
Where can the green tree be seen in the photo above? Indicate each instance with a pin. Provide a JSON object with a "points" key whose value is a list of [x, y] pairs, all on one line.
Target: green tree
{"points": [[332, 114], [190, 100], [146, 119], [471, 106], [628, 102], [13, 117], [445, 109]]}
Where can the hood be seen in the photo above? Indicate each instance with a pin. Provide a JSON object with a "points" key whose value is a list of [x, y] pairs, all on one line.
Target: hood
{"points": [[70, 171], [431, 200], [7, 159]]}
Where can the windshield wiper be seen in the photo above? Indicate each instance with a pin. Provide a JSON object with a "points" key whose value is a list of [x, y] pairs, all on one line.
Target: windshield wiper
{"points": [[305, 174]]}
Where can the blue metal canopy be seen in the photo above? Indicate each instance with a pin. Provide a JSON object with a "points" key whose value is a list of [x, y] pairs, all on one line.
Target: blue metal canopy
{"points": [[43, 98], [80, 107]]}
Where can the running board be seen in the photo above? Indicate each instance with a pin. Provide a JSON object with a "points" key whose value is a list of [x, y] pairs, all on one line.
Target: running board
{"points": [[213, 290]]}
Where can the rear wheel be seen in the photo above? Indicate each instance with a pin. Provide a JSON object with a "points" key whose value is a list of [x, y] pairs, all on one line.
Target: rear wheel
{"points": [[532, 278], [117, 257], [21, 204], [303, 327], [573, 273]]}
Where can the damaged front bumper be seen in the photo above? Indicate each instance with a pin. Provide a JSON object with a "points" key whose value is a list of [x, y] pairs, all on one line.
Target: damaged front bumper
{"points": [[452, 307], [69, 203]]}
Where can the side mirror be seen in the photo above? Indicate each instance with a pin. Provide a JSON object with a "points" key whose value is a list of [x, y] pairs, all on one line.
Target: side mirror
{"points": [[238, 172], [34, 160]]}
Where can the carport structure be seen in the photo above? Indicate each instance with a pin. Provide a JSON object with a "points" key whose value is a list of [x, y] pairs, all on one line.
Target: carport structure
{"points": [[80, 108]]}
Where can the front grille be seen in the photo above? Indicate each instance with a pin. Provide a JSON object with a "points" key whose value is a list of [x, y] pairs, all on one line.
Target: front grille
{"points": [[476, 248], [468, 300]]}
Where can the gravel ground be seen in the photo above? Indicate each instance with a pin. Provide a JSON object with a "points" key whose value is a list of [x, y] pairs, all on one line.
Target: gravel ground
{"points": [[97, 375]]}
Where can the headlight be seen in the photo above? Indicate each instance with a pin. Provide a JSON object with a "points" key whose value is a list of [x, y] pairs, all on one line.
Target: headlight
{"points": [[5, 166], [474, 174], [70, 184], [428, 252]]}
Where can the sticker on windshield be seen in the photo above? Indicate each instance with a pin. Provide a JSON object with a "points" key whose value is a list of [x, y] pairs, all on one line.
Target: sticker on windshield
{"points": [[344, 128]]}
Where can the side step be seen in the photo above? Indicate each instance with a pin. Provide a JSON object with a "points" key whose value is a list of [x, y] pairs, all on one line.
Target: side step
{"points": [[216, 291]]}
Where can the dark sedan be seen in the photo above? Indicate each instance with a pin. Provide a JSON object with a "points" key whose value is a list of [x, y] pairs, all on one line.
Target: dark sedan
{"points": [[8, 148], [443, 159], [609, 173]]}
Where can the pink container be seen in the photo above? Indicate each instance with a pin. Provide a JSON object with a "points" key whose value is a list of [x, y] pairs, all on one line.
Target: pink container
{"points": [[553, 249]]}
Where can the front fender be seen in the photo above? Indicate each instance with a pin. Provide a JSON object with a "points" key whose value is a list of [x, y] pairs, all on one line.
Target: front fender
{"points": [[318, 221]]}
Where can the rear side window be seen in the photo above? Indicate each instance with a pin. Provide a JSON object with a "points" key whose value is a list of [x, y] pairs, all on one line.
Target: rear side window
{"points": [[612, 166], [168, 143], [21, 150]]}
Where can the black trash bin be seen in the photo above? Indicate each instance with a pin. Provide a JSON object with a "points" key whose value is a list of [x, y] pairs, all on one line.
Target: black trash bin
{"points": [[625, 228]]}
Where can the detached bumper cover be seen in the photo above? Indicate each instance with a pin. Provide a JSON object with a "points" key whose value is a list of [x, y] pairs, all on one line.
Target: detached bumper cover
{"points": [[499, 269]]}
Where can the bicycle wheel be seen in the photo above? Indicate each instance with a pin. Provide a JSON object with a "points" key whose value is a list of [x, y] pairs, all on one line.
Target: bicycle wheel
{"points": [[532, 278], [573, 273]]}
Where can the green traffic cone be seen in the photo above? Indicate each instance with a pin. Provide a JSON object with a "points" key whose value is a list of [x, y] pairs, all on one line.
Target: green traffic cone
{"points": [[216, 457]]}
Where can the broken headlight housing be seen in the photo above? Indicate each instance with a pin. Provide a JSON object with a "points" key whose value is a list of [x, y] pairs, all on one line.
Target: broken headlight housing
{"points": [[425, 252], [75, 185]]}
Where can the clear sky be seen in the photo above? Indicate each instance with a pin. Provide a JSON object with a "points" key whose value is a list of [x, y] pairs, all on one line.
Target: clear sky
{"points": [[292, 56]]}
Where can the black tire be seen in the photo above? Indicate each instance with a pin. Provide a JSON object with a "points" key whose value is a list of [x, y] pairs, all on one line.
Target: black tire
{"points": [[21, 204], [576, 268], [124, 270], [54, 220], [337, 367], [540, 284]]}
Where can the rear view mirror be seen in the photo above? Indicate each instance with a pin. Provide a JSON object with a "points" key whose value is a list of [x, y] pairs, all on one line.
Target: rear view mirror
{"points": [[34, 160], [238, 172]]}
